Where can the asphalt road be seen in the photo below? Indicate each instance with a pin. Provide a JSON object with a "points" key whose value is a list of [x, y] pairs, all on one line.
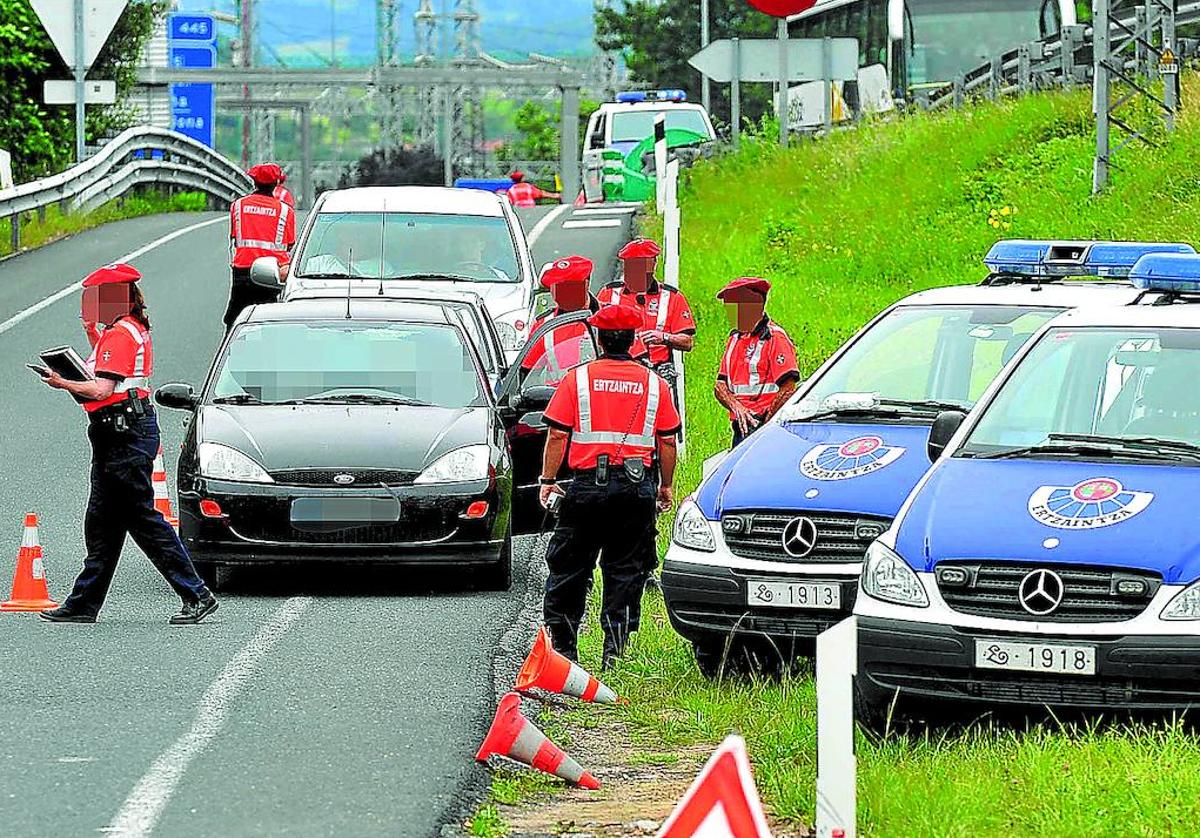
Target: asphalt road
{"points": [[316, 702]]}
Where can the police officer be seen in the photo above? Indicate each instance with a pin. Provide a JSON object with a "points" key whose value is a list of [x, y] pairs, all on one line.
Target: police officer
{"points": [[282, 192], [758, 371], [559, 349], [667, 318], [124, 435], [523, 194], [613, 421], [259, 225]]}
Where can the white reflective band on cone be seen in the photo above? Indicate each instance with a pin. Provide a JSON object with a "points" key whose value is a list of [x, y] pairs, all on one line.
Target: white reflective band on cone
{"points": [[577, 681], [29, 539]]}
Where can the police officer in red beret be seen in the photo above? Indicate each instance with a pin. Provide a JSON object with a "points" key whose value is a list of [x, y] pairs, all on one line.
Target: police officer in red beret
{"points": [[559, 349], [124, 435], [282, 192], [614, 423], [523, 194], [758, 371], [667, 322], [260, 224]]}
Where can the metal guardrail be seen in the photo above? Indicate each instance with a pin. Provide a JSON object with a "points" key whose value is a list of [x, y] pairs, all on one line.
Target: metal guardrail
{"points": [[1040, 65], [136, 156]]}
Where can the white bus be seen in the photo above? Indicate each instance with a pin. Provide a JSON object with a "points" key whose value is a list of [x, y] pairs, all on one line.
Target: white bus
{"points": [[927, 43]]}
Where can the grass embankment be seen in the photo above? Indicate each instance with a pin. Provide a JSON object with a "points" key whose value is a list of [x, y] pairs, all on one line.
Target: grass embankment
{"points": [[37, 231], [844, 227]]}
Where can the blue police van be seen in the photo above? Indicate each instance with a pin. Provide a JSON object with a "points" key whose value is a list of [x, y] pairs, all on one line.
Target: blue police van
{"points": [[1052, 555], [766, 554]]}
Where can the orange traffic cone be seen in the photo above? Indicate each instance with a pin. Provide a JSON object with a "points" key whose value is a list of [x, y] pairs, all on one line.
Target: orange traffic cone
{"points": [[29, 591], [547, 669], [514, 736], [162, 497]]}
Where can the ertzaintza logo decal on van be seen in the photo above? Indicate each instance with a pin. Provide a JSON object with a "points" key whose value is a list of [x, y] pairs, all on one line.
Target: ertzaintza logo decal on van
{"points": [[854, 458], [1093, 503]]}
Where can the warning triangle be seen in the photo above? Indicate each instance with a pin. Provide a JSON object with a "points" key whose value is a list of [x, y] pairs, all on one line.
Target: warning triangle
{"points": [[722, 801], [99, 18]]}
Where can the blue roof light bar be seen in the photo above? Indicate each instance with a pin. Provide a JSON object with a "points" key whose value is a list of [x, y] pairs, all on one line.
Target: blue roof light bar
{"points": [[1116, 259], [634, 96], [1177, 273]]}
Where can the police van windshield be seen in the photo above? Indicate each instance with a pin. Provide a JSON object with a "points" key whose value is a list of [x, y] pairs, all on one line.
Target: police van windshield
{"points": [[635, 126], [348, 363], [927, 357], [1098, 393], [411, 246]]}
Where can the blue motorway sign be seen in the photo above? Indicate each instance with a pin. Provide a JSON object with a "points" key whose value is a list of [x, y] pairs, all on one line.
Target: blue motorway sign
{"points": [[181, 27], [193, 106]]}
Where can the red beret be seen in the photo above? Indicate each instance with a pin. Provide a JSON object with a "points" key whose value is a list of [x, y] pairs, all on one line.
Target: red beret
{"points": [[570, 269], [517, 176], [116, 273], [265, 173], [617, 318], [640, 249], [746, 283]]}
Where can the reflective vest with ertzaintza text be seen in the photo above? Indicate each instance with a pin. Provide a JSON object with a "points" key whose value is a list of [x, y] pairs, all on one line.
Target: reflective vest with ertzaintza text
{"points": [[261, 225]]}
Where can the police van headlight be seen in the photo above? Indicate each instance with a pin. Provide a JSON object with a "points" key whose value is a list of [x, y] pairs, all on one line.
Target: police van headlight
{"points": [[888, 577], [1184, 606], [462, 465], [220, 462], [692, 529]]}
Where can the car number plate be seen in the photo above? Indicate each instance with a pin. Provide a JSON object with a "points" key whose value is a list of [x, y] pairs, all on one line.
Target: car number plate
{"points": [[775, 594], [1018, 656], [328, 514]]}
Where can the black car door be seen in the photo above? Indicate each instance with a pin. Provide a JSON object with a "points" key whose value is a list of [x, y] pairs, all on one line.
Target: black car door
{"points": [[523, 396]]}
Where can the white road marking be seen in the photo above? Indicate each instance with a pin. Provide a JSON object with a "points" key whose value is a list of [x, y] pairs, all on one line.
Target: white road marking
{"points": [[603, 210], [149, 798], [75, 286], [593, 222], [546, 221]]}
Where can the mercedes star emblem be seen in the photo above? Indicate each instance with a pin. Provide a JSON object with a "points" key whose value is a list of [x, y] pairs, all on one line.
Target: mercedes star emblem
{"points": [[799, 537], [1041, 592]]}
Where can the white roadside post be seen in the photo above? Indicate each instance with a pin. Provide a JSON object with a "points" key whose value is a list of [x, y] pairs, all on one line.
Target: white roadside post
{"points": [[6, 175], [784, 78], [660, 162], [672, 225], [837, 662]]}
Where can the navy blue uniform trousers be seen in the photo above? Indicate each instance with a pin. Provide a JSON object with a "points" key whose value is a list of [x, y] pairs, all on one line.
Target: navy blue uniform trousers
{"points": [[121, 503]]}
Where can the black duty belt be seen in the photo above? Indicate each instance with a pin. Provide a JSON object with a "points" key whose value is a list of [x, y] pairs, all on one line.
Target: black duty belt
{"points": [[122, 412]]}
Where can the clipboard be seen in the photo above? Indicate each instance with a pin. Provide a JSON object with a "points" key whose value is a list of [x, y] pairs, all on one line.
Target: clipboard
{"points": [[66, 362]]}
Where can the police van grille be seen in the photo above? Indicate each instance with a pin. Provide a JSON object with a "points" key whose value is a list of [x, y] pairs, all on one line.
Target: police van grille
{"points": [[325, 477], [1089, 593], [840, 538]]}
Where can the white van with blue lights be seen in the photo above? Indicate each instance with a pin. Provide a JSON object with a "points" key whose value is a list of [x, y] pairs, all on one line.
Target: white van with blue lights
{"points": [[1051, 556], [768, 549], [622, 124]]}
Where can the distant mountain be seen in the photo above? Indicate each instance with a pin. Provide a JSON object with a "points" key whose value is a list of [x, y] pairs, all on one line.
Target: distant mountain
{"points": [[308, 32]]}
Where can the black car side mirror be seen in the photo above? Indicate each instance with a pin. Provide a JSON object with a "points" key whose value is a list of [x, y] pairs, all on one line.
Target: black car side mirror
{"points": [[176, 396], [944, 427]]}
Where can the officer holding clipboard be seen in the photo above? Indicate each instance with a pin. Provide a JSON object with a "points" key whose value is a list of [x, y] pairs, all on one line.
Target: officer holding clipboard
{"points": [[114, 391]]}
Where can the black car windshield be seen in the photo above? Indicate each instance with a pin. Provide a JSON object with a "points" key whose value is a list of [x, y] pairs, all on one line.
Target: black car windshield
{"points": [[410, 246], [351, 362], [926, 357], [1098, 393]]}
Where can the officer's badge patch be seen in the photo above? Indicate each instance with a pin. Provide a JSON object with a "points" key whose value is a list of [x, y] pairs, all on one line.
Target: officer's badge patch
{"points": [[1094, 503], [106, 356], [855, 458], [780, 360]]}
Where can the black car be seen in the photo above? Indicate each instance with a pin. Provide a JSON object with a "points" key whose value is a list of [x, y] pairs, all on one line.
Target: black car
{"points": [[351, 429]]}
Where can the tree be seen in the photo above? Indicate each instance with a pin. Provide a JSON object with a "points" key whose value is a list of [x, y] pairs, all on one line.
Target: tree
{"points": [[657, 37], [395, 167], [538, 131], [41, 138]]}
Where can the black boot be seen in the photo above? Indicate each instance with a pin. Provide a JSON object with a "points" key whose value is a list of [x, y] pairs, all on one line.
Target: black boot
{"points": [[613, 650], [63, 615], [194, 612], [563, 641]]}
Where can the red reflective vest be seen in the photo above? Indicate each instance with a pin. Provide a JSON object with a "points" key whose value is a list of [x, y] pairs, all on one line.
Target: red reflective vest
{"points": [[557, 351], [756, 363], [284, 194], [664, 309], [525, 194], [261, 225], [124, 351], [614, 407]]}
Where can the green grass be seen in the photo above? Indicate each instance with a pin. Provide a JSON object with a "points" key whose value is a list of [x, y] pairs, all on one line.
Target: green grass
{"points": [[36, 231], [843, 228], [487, 823]]}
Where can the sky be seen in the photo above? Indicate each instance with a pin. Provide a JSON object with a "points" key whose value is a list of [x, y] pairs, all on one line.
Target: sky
{"points": [[307, 32]]}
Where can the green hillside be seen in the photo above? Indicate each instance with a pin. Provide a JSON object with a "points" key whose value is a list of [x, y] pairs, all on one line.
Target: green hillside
{"points": [[843, 228]]}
